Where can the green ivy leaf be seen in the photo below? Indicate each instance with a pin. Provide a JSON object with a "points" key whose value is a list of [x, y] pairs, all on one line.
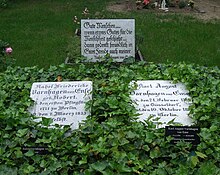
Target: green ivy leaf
{"points": [[18, 154], [22, 132], [43, 140], [154, 153], [43, 163], [99, 166], [46, 121], [131, 134], [29, 153], [201, 155], [149, 137], [29, 169], [83, 161], [213, 128], [146, 148], [194, 160], [55, 166], [123, 141]]}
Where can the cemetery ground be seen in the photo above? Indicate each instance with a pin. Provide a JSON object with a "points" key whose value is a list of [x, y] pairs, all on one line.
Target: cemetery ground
{"points": [[42, 33], [203, 9]]}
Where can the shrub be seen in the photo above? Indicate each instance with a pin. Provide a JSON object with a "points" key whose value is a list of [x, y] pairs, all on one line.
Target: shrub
{"points": [[182, 4]]}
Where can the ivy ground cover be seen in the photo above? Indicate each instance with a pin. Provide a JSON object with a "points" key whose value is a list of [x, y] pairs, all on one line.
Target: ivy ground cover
{"points": [[111, 141]]}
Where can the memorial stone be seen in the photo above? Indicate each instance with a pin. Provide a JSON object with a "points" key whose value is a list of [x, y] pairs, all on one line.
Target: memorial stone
{"points": [[63, 102], [163, 99], [115, 37]]}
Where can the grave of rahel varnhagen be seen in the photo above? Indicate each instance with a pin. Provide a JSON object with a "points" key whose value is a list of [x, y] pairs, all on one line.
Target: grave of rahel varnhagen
{"points": [[63, 102]]}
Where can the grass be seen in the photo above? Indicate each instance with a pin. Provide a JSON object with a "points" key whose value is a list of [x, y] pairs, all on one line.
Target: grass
{"points": [[42, 31], [39, 31], [179, 38]]}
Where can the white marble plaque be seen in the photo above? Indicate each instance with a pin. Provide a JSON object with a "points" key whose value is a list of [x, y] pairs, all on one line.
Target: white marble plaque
{"points": [[64, 102], [108, 36], [163, 99]]}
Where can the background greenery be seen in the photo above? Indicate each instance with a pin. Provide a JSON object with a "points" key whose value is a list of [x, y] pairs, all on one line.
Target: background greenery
{"points": [[41, 32]]}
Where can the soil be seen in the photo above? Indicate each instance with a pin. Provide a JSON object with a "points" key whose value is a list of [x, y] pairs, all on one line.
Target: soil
{"points": [[203, 9]]}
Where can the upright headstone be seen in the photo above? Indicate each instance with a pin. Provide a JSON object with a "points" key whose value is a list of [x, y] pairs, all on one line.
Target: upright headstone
{"points": [[63, 102], [163, 5], [108, 36], [163, 99]]}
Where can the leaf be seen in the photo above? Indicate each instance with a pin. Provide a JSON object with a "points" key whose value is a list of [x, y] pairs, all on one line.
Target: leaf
{"points": [[43, 164], [149, 137], [123, 141], [29, 169], [99, 166], [22, 132], [62, 65], [194, 160], [154, 153], [46, 121], [18, 154], [43, 141], [131, 134], [112, 102], [83, 161], [55, 165], [129, 60], [201, 155], [146, 148], [123, 168], [29, 153], [213, 128], [41, 70], [8, 127]]}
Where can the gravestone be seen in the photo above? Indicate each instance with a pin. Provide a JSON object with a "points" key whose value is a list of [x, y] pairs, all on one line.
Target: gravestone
{"points": [[63, 102], [163, 99], [115, 37]]}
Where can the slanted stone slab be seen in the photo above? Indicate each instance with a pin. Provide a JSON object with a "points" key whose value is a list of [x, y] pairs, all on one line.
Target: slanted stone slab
{"points": [[64, 102], [160, 98], [108, 36]]}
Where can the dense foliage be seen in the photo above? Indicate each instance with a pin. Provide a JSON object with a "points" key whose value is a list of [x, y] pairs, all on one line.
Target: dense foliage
{"points": [[110, 142]]}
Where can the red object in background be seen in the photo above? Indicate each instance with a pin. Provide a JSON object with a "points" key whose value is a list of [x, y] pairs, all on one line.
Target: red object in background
{"points": [[145, 2]]}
